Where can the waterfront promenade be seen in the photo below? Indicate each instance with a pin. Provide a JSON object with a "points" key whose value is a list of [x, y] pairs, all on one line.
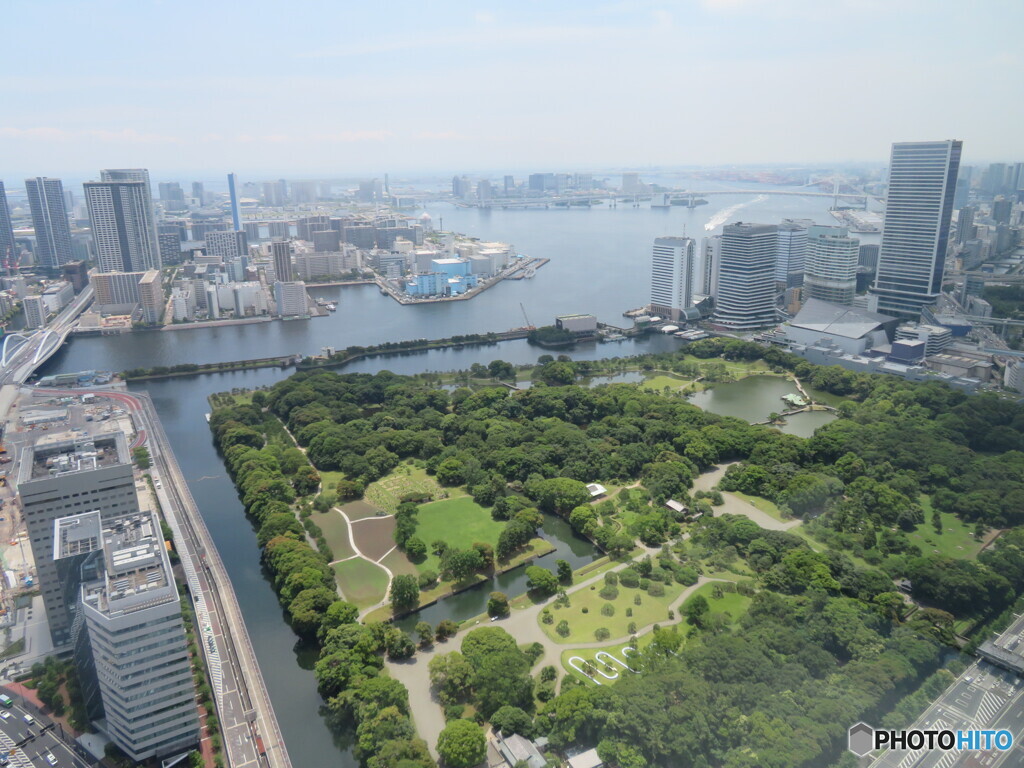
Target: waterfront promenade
{"points": [[251, 735]]}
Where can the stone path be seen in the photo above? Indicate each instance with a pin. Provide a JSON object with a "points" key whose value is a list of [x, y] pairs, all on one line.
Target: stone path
{"points": [[734, 505]]}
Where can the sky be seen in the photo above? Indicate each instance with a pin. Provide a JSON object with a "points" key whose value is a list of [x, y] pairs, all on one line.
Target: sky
{"points": [[339, 88]]}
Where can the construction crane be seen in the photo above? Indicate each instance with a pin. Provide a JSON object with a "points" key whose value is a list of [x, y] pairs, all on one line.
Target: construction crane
{"points": [[529, 326]]}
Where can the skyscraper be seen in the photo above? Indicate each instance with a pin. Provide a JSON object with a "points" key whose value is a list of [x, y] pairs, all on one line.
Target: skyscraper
{"points": [[673, 269], [50, 221], [127, 631], [919, 205], [236, 216], [832, 257], [198, 192], [137, 174], [746, 276], [281, 250], [965, 224], [8, 250], [789, 265], [122, 232]]}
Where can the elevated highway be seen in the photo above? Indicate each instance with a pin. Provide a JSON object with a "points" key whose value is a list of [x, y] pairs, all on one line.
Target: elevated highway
{"points": [[22, 353]]}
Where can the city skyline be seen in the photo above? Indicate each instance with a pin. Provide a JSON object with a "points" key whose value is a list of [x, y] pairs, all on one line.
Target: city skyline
{"points": [[726, 60]]}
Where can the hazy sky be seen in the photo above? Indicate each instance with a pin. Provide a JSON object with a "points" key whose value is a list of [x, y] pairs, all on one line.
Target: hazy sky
{"points": [[342, 87]]}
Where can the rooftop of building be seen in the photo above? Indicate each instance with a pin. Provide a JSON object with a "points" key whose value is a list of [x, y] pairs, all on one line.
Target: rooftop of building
{"points": [[837, 319], [77, 454]]}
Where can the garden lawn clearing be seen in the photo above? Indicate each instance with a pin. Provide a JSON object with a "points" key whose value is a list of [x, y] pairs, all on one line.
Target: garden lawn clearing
{"points": [[329, 479], [956, 540], [375, 537], [733, 603], [674, 384], [361, 582], [651, 610], [335, 531], [399, 564], [459, 521], [386, 494]]}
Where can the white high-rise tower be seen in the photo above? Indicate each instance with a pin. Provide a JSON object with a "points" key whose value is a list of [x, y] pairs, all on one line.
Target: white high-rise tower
{"points": [[673, 276]]}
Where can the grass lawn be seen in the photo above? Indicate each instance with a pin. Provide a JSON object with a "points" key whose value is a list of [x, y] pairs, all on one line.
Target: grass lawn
{"points": [[732, 603], [387, 493], [360, 510], [956, 540], [329, 480], [361, 582], [399, 564], [673, 382], [335, 531], [459, 521], [766, 506], [582, 625]]}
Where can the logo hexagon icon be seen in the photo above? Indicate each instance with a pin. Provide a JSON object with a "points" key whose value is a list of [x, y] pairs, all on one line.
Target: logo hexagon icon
{"points": [[861, 739]]}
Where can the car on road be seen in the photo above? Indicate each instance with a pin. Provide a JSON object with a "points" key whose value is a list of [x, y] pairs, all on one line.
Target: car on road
{"points": [[50, 758], [5, 715], [29, 719]]}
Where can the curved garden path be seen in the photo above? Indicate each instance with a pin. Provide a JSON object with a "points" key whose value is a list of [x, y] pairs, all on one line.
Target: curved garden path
{"points": [[734, 505], [359, 553]]}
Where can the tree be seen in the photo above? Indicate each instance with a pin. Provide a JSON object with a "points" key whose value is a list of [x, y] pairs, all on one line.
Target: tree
{"points": [[462, 744], [451, 472], [560, 495], [509, 720], [349, 490], [541, 580], [696, 610], [459, 564], [141, 456], [564, 571], [405, 593], [416, 549], [425, 632], [450, 675], [497, 604], [446, 628]]}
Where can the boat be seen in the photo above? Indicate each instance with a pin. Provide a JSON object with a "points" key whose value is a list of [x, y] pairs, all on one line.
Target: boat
{"points": [[207, 417], [331, 307]]}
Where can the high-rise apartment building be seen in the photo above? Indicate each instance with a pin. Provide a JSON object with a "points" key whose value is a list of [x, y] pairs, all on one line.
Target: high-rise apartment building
{"points": [[919, 205], [76, 273], [711, 254], [116, 287], [50, 221], [274, 194], [673, 274], [279, 229], [226, 245], [135, 174], [745, 298], [151, 297], [36, 311], [198, 192], [123, 233], [65, 478], [8, 250], [127, 631], [169, 245], [1001, 210], [290, 299], [832, 257], [789, 266], [281, 251], [965, 228]]}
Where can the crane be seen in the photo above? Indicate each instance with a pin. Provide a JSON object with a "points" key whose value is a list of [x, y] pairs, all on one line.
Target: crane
{"points": [[529, 325]]}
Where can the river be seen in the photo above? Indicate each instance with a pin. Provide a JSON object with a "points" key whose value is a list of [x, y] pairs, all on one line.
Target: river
{"points": [[600, 263]]}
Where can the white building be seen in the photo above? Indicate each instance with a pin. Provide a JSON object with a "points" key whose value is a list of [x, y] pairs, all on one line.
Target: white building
{"points": [[710, 255], [226, 245], [183, 305], [127, 630], [36, 311], [674, 270], [249, 299], [212, 302], [123, 232], [291, 299], [1013, 376], [854, 331], [831, 265], [935, 337], [745, 299], [58, 295]]}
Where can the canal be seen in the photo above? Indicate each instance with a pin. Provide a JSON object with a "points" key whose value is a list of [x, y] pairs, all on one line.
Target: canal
{"points": [[599, 263]]}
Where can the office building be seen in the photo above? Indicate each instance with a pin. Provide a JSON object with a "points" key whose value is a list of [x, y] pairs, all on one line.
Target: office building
{"points": [[252, 231], [172, 196], [831, 265], [151, 297], [1001, 210], [236, 211], [327, 241], [919, 205], [281, 251], [965, 228], [868, 256], [76, 273], [789, 265], [65, 478], [307, 225], [274, 194], [509, 185], [746, 276], [279, 229], [50, 221], [291, 299], [8, 248], [127, 631], [673, 268], [116, 288], [711, 253], [36, 311], [226, 245], [123, 234], [58, 295], [962, 190], [993, 180], [169, 245], [198, 192]]}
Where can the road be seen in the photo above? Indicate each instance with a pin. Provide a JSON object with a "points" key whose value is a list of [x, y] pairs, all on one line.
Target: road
{"points": [[983, 697], [14, 729], [243, 702], [24, 360]]}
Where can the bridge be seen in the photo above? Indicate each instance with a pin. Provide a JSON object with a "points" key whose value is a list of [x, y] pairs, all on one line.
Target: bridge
{"points": [[560, 201], [22, 353]]}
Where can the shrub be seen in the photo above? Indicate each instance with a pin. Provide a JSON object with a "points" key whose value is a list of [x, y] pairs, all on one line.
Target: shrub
{"points": [[611, 578], [629, 578], [608, 592], [563, 628], [546, 617], [602, 633], [607, 609], [656, 589]]}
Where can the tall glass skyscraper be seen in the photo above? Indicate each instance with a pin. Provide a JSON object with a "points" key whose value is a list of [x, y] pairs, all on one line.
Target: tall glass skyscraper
{"points": [[8, 250], [919, 204], [50, 221], [745, 298]]}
